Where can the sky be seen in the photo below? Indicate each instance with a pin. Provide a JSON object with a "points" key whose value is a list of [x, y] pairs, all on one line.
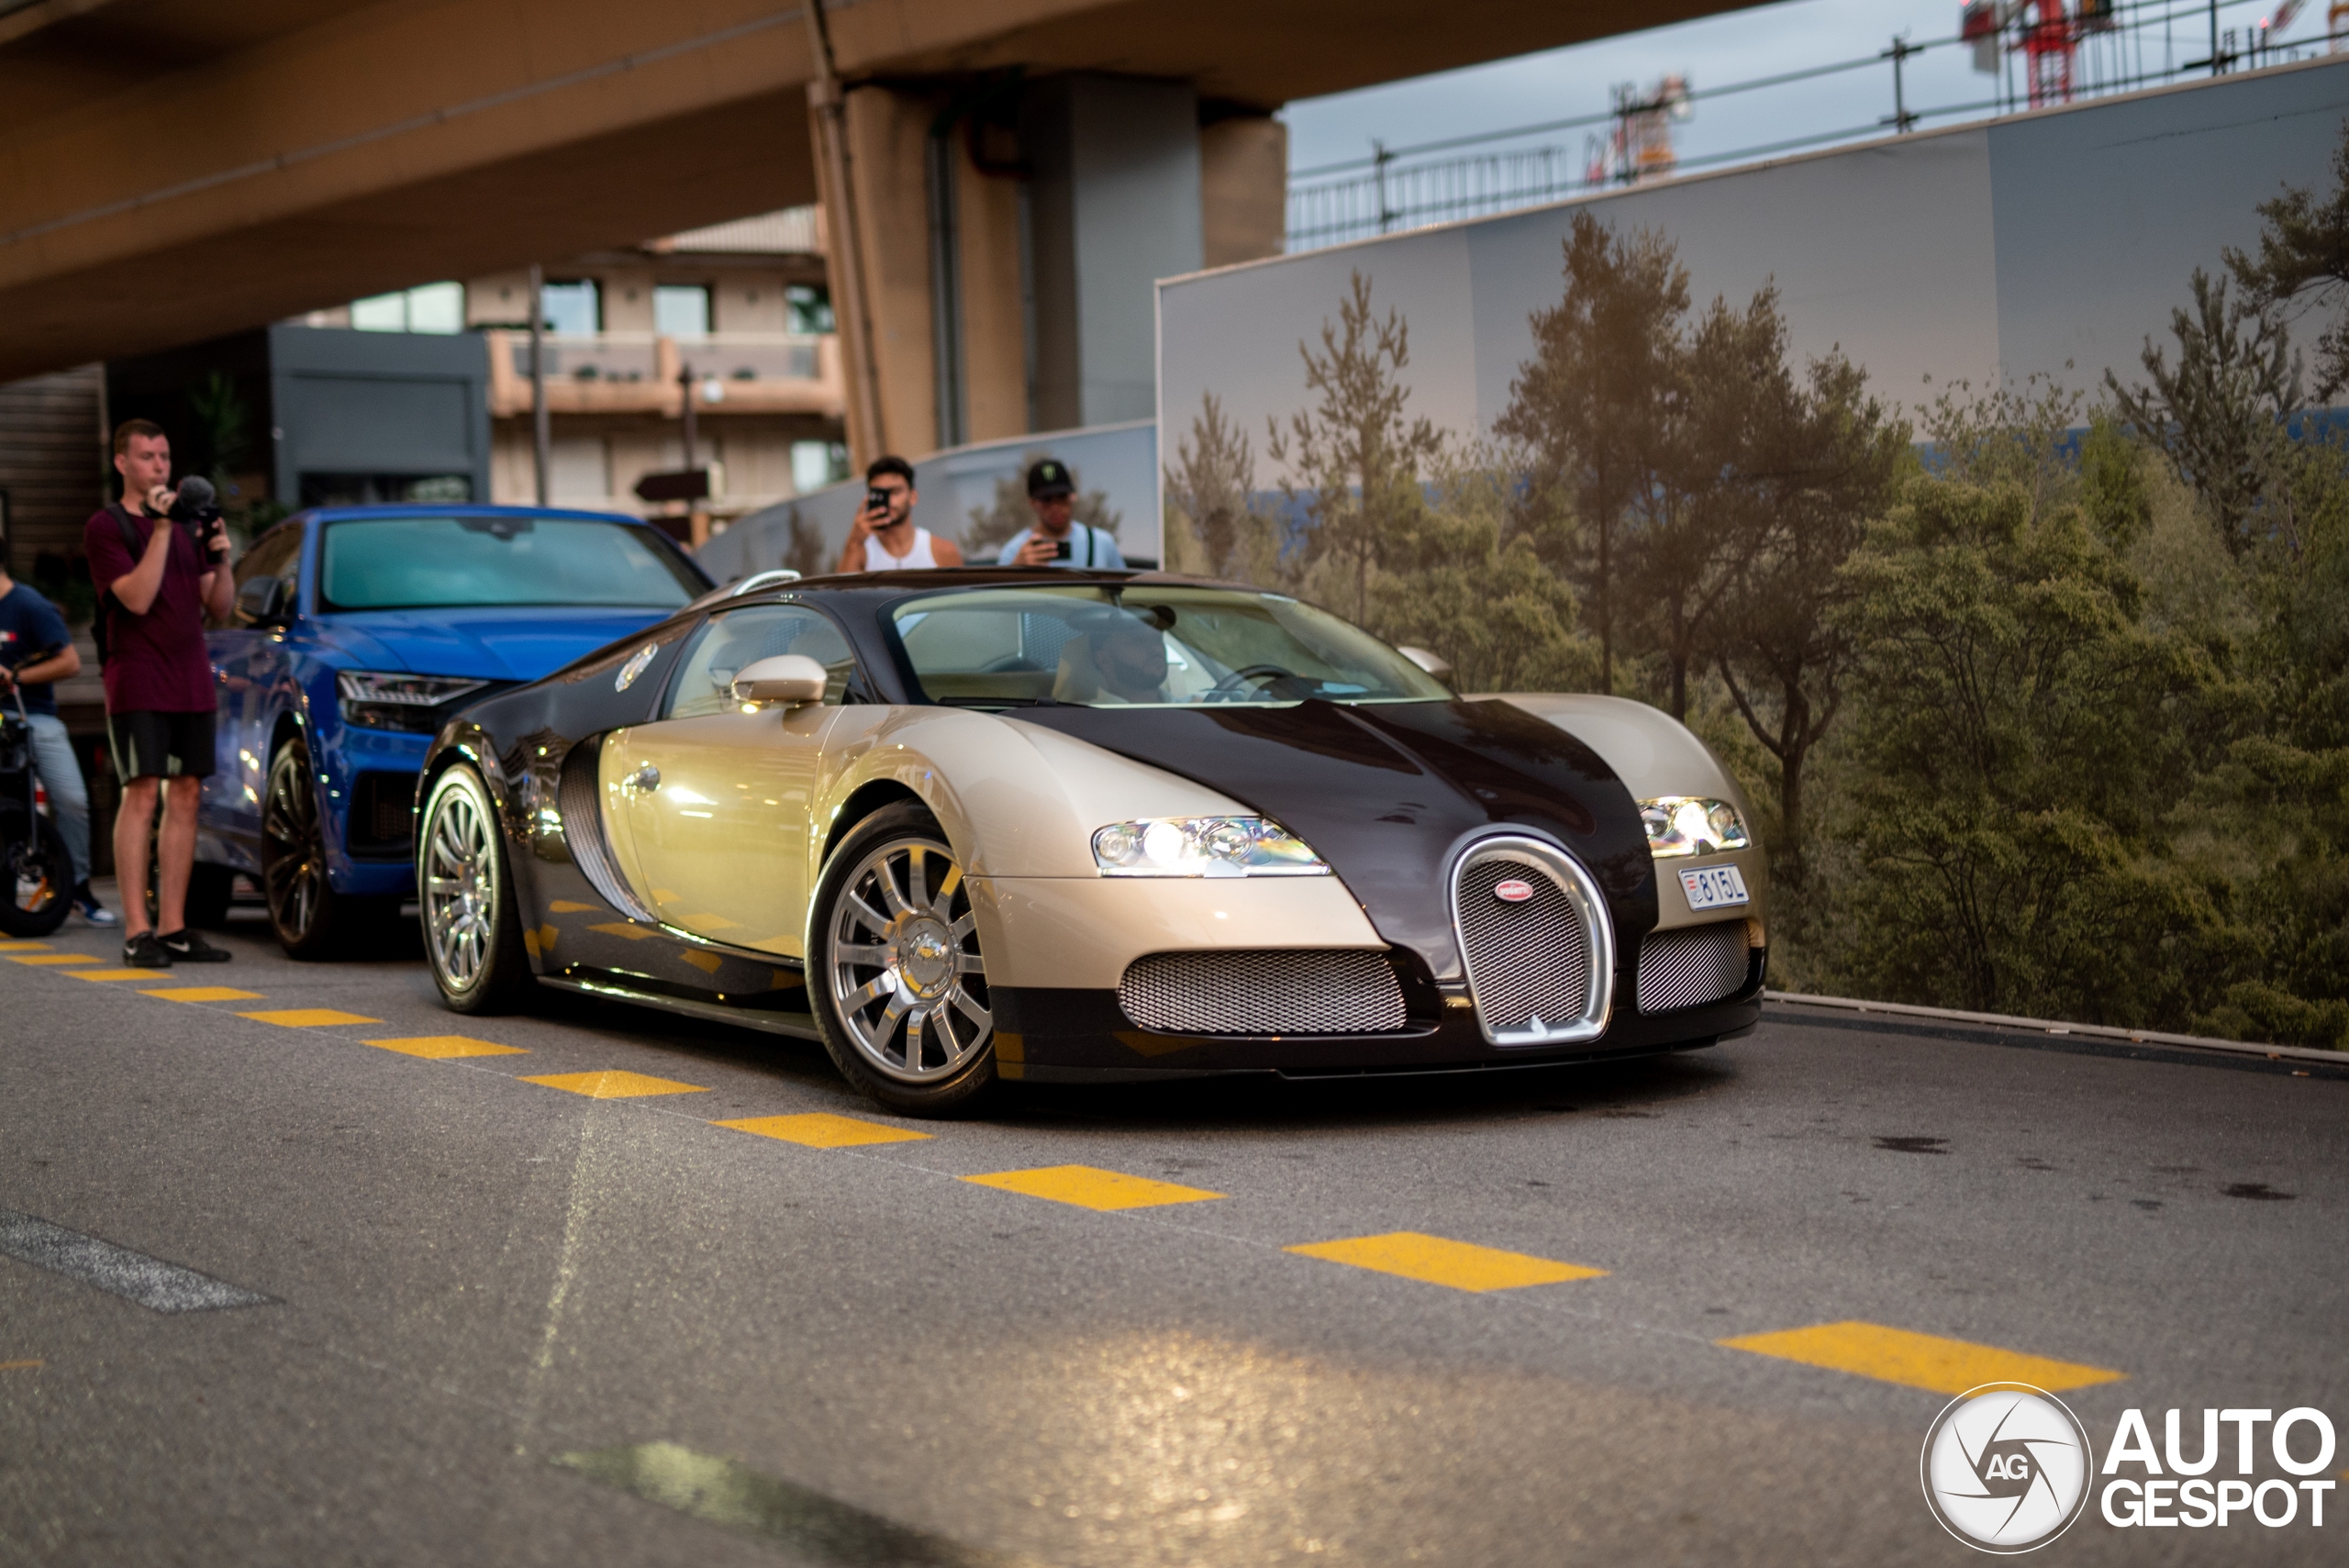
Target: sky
{"points": [[1715, 51]]}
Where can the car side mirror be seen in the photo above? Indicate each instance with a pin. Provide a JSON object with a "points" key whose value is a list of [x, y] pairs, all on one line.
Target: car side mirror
{"points": [[785, 678], [263, 601], [1435, 664]]}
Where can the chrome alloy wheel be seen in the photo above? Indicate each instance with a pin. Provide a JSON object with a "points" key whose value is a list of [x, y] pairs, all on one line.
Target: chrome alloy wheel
{"points": [[905, 971], [459, 887]]}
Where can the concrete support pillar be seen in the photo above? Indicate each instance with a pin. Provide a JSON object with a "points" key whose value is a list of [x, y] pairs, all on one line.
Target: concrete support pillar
{"points": [[1244, 189], [1113, 205]]}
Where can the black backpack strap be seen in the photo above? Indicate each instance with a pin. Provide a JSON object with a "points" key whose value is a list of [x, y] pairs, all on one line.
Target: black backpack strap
{"points": [[101, 623]]}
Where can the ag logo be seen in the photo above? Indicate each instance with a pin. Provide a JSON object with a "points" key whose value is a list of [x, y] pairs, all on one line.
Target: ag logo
{"points": [[635, 666], [1515, 890], [2006, 1467]]}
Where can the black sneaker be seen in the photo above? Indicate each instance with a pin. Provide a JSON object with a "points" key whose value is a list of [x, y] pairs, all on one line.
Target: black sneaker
{"points": [[184, 946], [143, 952]]}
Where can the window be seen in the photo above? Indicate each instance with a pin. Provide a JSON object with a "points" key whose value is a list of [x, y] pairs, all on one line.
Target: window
{"points": [[572, 309], [431, 307], [578, 469], [731, 642], [811, 307], [681, 310], [383, 564], [815, 465], [277, 553]]}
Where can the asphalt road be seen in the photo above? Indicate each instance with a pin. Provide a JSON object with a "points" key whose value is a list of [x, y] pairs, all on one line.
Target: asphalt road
{"points": [[452, 1316]]}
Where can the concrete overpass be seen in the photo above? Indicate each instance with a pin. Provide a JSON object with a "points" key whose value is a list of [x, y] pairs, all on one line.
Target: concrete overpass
{"points": [[1014, 172]]}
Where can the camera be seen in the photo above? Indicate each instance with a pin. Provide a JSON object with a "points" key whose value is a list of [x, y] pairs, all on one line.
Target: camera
{"points": [[196, 507]]}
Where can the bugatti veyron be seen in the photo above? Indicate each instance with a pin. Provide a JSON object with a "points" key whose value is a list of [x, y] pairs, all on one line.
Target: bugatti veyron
{"points": [[975, 825]]}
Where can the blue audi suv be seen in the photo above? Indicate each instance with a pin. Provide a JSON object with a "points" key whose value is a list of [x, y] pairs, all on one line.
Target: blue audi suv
{"points": [[357, 632]]}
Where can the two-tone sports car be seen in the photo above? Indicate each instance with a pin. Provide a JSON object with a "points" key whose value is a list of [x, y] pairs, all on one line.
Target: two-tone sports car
{"points": [[978, 824]]}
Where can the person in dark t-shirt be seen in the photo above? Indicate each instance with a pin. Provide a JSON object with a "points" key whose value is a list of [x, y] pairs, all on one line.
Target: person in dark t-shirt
{"points": [[35, 651], [155, 588]]}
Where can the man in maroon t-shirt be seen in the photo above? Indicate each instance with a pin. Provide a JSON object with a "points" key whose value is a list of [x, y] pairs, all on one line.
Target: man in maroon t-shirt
{"points": [[159, 686]]}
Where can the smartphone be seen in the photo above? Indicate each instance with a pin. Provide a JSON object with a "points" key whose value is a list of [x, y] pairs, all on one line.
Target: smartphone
{"points": [[1061, 552], [877, 500]]}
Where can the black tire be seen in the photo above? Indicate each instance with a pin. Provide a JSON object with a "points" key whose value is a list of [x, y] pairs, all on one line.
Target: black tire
{"points": [[36, 880], [874, 1051], [471, 922], [307, 914]]}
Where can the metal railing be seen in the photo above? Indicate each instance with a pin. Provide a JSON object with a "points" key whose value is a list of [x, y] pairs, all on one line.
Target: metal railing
{"points": [[639, 356], [2107, 52]]}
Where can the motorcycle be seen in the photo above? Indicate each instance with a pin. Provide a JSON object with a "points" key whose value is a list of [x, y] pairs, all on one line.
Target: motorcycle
{"points": [[36, 874]]}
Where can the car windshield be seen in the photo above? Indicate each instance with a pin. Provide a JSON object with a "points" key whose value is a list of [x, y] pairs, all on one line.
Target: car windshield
{"points": [[1132, 645], [398, 564]]}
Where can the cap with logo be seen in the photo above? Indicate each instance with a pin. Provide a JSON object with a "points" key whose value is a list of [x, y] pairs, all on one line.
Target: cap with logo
{"points": [[1049, 480]]}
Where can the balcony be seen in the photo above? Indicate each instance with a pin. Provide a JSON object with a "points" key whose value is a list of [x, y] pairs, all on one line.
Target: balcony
{"points": [[637, 372]]}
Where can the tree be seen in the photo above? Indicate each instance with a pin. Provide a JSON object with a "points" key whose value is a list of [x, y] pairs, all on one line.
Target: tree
{"points": [[1824, 460], [1213, 525], [2015, 747], [1462, 582], [1597, 403], [1355, 459], [2223, 414], [2304, 260]]}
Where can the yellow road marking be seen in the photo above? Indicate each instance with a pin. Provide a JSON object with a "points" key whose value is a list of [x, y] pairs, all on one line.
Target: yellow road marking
{"points": [[622, 928], [616, 1085], [57, 958], [207, 994], [308, 1018], [708, 962], [442, 1047], [20, 1366], [565, 906], [1918, 1360], [1463, 1265], [821, 1130], [114, 974], [1088, 1187], [24, 947]]}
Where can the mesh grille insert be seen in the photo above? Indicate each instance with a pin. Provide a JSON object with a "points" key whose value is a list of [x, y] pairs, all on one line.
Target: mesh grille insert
{"points": [[1285, 991], [1692, 966], [1529, 960], [578, 798]]}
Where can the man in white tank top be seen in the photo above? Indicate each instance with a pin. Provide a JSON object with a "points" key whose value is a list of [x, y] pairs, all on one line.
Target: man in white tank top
{"points": [[883, 538]]}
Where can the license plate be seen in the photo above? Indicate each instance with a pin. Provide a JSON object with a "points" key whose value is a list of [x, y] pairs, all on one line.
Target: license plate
{"points": [[1713, 887]]}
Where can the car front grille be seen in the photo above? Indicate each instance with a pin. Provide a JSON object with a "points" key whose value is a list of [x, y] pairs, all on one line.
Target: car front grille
{"points": [[1283, 991], [1692, 966], [1540, 964], [383, 816]]}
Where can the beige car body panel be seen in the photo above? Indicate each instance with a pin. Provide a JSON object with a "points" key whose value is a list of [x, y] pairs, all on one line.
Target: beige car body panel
{"points": [[1655, 755]]}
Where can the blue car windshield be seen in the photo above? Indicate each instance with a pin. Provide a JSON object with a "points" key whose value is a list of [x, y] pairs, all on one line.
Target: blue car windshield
{"points": [[405, 564]]}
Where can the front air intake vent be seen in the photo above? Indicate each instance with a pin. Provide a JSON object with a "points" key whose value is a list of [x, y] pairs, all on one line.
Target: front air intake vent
{"points": [[1692, 966], [1284, 992], [1539, 948], [579, 799]]}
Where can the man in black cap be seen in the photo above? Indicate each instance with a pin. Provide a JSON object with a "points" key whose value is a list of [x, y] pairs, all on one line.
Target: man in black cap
{"points": [[1058, 539]]}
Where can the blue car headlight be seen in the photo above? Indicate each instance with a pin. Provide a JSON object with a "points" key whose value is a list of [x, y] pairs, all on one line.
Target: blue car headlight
{"points": [[376, 701], [1203, 846]]}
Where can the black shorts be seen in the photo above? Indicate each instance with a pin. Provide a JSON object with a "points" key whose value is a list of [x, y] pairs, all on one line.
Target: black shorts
{"points": [[148, 745]]}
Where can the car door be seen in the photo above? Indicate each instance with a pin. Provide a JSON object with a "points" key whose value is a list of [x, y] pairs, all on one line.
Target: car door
{"points": [[247, 662], [717, 793]]}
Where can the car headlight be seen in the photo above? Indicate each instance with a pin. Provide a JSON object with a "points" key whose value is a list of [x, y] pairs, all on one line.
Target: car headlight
{"points": [[1689, 825], [398, 702], [1203, 846]]}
